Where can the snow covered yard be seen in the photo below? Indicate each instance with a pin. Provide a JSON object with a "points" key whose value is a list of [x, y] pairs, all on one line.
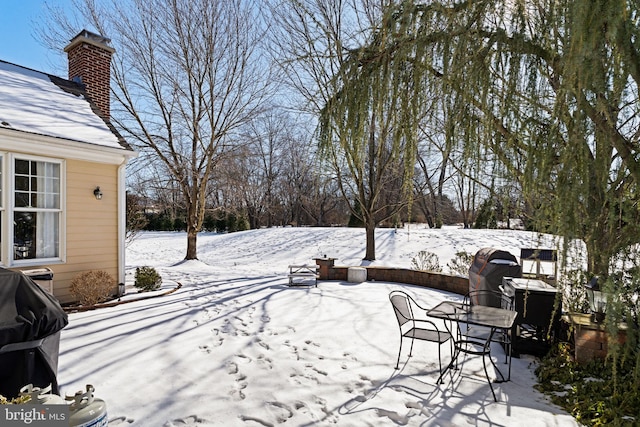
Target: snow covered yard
{"points": [[235, 346]]}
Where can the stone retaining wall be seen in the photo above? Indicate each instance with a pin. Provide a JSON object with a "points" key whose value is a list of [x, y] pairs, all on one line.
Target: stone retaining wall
{"points": [[444, 282]]}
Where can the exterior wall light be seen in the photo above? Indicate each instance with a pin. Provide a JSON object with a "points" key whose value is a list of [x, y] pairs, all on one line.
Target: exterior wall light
{"points": [[597, 300], [97, 193]]}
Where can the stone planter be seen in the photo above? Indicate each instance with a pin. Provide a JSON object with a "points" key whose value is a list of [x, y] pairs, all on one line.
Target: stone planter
{"points": [[357, 274], [591, 339]]}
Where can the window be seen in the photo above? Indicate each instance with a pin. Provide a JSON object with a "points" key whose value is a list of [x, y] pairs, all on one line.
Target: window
{"points": [[36, 209]]}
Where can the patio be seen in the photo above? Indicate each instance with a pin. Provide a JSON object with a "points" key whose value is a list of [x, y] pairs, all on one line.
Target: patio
{"points": [[268, 353]]}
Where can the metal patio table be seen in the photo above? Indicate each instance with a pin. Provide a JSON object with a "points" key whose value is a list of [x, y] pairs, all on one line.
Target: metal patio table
{"points": [[493, 318]]}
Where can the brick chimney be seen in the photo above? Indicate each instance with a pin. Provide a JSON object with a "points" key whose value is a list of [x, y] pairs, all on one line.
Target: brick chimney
{"points": [[89, 57]]}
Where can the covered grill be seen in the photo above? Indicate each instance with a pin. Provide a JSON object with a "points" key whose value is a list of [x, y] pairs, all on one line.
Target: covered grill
{"points": [[489, 266], [30, 323]]}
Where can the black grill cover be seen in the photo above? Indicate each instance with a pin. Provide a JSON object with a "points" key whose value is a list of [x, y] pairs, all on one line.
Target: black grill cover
{"points": [[489, 266], [30, 324]]}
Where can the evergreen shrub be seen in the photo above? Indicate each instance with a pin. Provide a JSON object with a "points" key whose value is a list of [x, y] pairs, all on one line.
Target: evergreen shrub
{"points": [[147, 279]]}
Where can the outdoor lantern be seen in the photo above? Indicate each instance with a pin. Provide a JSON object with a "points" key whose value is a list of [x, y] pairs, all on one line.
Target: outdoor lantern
{"points": [[97, 193], [597, 300]]}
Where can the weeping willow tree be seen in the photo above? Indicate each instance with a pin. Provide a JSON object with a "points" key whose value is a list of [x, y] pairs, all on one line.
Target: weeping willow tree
{"points": [[364, 131], [549, 87]]}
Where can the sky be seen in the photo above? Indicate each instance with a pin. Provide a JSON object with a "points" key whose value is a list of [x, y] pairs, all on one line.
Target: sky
{"points": [[235, 346], [18, 23]]}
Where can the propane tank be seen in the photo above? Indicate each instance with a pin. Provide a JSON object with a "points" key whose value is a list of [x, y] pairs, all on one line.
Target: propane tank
{"points": [[87, 411], [41, 396]]}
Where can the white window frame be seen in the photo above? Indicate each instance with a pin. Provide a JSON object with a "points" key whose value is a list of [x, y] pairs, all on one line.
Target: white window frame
{"points": [[4, 233], [9, 209]]}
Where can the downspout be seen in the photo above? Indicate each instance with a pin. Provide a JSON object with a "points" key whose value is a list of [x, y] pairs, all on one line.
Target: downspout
{"points": [[122, 218]]}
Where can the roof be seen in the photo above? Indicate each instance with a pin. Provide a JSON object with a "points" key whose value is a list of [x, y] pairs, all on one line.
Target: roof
{"points": [[42, 104]]}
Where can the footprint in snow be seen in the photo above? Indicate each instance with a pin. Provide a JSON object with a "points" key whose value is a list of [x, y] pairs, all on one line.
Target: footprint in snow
{"points": [[232, 368], [242, 358], [280, 411], [237, 391], [191, 420], [120, 421], [265, 361], [263, 344], [393, 416]]}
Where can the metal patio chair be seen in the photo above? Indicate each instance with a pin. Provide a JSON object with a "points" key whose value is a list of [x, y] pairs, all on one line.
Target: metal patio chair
{"points": [[415, 327], [494, 298]]}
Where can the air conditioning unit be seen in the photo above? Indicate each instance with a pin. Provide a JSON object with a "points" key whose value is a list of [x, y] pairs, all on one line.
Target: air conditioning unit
{"points": [[42, 276]]}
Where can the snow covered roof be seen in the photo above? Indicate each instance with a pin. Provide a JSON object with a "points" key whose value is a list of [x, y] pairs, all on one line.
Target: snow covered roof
{"points": [[42, 104]]}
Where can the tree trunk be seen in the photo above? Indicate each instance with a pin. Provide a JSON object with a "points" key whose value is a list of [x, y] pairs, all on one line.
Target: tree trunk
{"points": [[192, 236], [193, 223], [370, 230], [599, 247]]}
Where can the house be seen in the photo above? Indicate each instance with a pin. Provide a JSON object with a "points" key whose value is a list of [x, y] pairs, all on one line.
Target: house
{"points": [[62, 168]]}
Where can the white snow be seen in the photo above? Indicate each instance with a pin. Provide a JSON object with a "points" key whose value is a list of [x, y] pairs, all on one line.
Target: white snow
{"points": [[235, 346], [30, 102]]}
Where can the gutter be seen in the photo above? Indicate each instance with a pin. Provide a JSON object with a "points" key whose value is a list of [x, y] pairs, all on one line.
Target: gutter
{"points": [[31, 143]]}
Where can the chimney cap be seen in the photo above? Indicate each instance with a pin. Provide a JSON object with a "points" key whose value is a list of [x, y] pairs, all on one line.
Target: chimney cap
{"points": [[86, 36]]}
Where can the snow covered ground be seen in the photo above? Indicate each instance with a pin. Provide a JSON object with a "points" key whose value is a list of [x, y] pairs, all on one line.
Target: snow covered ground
{"points": [[235, 346]]}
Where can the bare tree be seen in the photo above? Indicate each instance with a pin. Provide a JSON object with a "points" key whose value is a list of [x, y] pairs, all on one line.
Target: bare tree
{"points": [[431, 176], [309, 194], [136, 221], [371, 159], [186, 76], [268, 136]]}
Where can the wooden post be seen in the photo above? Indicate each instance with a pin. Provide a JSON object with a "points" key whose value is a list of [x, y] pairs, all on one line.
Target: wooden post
{"points": [[325, 264]]}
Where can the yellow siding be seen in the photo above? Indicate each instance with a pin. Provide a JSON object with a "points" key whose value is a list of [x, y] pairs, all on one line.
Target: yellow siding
{"points": [[91, 225]]}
